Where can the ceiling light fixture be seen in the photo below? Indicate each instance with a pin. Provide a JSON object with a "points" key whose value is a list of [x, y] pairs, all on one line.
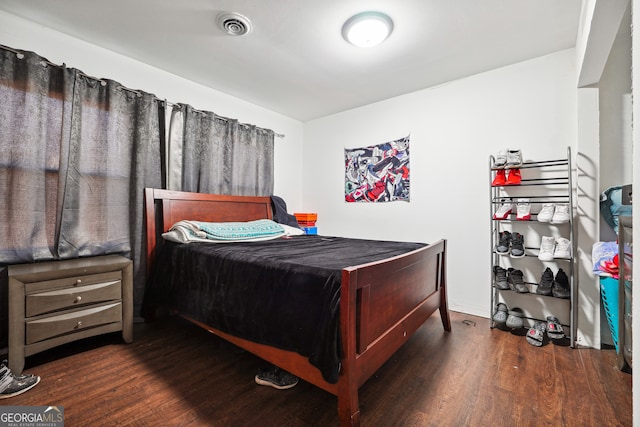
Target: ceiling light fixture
{"points": [[367, 29], [234, 24]]}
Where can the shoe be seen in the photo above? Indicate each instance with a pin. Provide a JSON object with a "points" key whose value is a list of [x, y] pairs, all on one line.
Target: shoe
{"points": [[13, 385], [500, 178], [504, 210], [516, 283], [500, 278], [517, 245], [563, 248], [501, 159], [561, 288], [535, 335], [514, 158], [546, 213], [500, 315], [545, 286], [523, 210], [547, 247], [554, 328], [514, 177], [504, 241], [276, 378], [514, 319], [560, 214]]}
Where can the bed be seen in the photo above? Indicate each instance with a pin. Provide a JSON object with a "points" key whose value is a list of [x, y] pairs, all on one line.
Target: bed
{"points": [[379, 304]]}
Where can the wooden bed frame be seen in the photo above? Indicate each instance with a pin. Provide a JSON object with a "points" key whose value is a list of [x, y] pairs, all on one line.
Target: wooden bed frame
{"points": [[381, 304]]}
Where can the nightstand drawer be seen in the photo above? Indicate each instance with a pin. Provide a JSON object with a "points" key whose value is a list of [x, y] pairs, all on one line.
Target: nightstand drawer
{"points": [[72, 281], [43, 302], [48, 327]]}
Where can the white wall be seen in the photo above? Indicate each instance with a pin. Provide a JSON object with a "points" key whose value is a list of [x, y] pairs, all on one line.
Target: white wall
{"points": [[615, 117], [59, 48], [587, 215], [615, 140], [454, 128]]}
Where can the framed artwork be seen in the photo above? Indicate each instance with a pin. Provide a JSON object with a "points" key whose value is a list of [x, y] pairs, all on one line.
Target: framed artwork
{"points": [[379, 173]]}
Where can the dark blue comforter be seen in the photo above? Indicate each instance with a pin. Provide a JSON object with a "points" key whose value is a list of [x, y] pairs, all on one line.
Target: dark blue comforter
{"points": [[284, 292]]}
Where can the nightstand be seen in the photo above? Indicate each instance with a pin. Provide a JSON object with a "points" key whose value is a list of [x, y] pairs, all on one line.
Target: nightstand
{"points": [[57, 302]]}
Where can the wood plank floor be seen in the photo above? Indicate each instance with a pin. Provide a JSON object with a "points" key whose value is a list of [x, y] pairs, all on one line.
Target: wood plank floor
{"points": [[175, 374]]}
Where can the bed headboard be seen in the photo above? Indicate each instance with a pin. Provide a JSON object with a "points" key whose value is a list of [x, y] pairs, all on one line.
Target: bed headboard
{"points": [[163, 208]]}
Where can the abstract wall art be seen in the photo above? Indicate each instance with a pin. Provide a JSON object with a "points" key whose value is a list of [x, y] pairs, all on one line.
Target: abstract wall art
{"points": [[378, 173]]}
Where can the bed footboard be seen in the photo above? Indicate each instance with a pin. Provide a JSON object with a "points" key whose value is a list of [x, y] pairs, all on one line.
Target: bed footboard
{"points": [[382, 304]]}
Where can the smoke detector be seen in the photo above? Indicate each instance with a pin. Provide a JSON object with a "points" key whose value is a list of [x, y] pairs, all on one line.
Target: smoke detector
{"points": [[234, 24]]}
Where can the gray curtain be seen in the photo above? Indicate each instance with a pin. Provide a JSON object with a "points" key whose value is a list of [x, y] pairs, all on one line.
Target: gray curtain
{"points": [[31, 129], [75, 156], [216, 155]]}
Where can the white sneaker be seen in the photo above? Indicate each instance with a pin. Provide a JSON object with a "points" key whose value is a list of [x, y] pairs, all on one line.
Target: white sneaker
{"points": [[503, 211], [523, 210], [514, 158], [546, 248], [501, 159], [546, 213], [563, 248], [561, 214]]}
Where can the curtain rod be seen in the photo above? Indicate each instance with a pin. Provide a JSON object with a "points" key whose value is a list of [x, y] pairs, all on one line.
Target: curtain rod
{"points": [[20, 55]]}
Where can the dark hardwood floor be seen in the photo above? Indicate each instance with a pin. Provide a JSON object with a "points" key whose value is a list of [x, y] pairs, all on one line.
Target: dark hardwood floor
{"points": [[175, 374]]}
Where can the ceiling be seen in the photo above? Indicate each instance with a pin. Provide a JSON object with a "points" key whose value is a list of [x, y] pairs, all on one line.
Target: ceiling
{"points": [[295, 61]]}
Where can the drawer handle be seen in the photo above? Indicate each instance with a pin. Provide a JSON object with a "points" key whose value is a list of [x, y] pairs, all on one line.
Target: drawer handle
{"points": [[78, 298], [79, 324], [78, 282]]}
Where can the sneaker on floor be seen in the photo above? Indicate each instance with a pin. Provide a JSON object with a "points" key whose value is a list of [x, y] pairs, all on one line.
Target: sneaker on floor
{"points": [[563, 248], [546, 213], [501, 159], [504, 210], [561, 288], [276, 378], [13, 385], [560, 214], [504, 242], [514, 158], [500, 278], [516, 281], [547, 246], [514, 177], [545, 287], [523, 210], [517, 245]]}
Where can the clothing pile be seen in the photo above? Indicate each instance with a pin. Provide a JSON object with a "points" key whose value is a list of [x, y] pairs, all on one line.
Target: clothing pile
{"points": [[604, 256]]}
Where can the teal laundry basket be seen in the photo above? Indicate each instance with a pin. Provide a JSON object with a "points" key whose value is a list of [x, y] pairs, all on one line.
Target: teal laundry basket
{"points": [[609, 295]]}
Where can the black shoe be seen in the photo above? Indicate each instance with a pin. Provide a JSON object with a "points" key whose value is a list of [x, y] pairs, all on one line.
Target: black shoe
{"points": [[500, 277], [504, 242], [276, 378], [561, 288], [517, 245], [545, 286], [516, 281], [13, 385]]}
